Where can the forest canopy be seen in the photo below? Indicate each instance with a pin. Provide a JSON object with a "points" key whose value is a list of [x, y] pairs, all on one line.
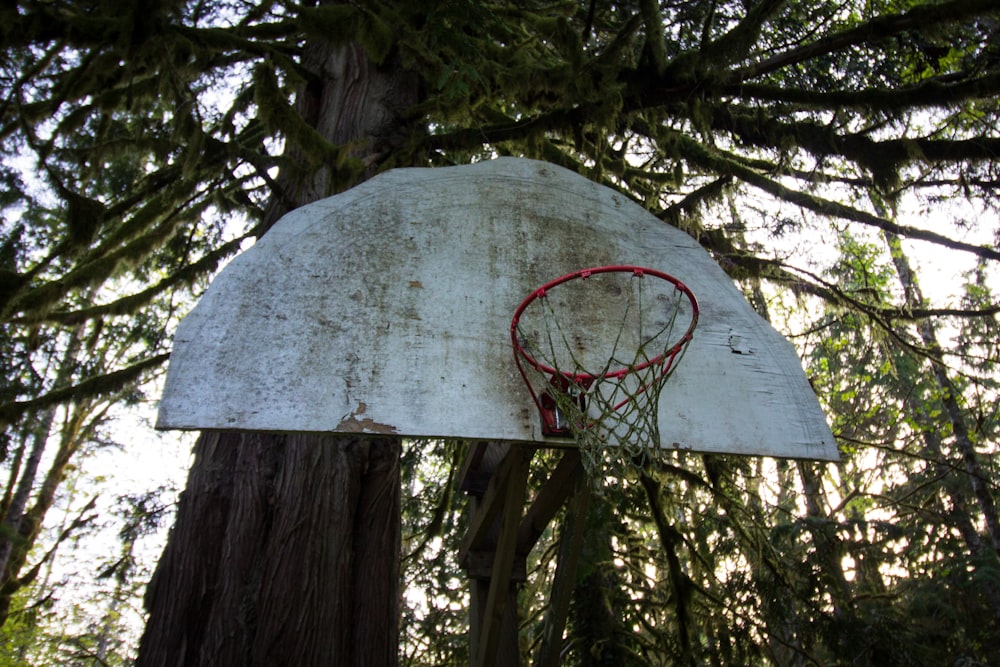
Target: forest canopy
{"points": [[839, 160]]}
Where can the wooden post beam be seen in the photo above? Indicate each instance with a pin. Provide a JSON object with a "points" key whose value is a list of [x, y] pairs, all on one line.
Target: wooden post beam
{"points": [[498, 597], [489, 504], [493, 552], [570, 543], [549, 499], [476, 469]]}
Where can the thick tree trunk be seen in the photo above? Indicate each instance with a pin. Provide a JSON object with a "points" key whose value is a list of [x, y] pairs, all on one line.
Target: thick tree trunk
{"points": [[285, 550]]}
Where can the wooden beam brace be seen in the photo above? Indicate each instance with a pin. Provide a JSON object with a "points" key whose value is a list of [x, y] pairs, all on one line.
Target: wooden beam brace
{"points": [[500, 580], [479, 565], [550, 498], [471, 474], [570, 543], [488, 508]]}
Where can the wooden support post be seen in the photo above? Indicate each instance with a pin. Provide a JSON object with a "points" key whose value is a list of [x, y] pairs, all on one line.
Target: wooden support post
{"points": [[508, 652], [550, 498], [495, 548], [499, 597], [570, 543], [482, 533], [495, 476]]}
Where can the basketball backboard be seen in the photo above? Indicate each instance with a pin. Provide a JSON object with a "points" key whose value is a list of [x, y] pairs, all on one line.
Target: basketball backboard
{"points": [[387, 309]]}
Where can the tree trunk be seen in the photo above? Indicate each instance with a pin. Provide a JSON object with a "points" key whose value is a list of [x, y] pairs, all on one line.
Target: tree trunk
{"points": [[16, 525], [976, 476], [285, 550], [949, 396]]}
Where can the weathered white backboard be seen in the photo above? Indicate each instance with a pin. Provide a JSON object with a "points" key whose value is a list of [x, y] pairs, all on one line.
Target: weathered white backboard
{"points": [[387, 309]]}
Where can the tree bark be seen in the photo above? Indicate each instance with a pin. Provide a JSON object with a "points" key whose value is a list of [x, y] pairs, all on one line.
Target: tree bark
{"points": [[285, 550]]}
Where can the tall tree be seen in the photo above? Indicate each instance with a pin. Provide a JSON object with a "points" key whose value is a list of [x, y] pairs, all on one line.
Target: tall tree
{"points": [[243, 596], [747, 124]]}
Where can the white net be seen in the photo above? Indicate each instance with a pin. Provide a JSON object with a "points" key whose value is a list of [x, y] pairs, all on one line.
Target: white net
{"points": [[596, 350]]}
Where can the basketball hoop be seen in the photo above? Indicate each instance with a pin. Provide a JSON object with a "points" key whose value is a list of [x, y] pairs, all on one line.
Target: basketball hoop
{"points": [[596, 352]]}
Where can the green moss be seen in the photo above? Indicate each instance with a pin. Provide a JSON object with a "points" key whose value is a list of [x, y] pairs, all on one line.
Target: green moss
{"points": [[341, 24], [337, 24], [84, 218]]}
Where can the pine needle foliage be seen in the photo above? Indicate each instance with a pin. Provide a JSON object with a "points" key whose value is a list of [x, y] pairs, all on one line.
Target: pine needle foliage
{"points": [[806, 145]]}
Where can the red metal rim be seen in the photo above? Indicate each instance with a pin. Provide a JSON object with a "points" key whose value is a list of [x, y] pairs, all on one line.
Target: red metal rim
{"points": [[583, 274]]}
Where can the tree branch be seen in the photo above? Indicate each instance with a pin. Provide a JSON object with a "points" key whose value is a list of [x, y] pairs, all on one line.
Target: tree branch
{"points": [[721, 164], [131, 303], [942, 90], [881, 158], [735, 44], [929, 16], [91, 387]]}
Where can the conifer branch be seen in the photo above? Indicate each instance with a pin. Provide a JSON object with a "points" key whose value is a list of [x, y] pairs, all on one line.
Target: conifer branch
{"points": [[131, 304], [719, 163], [882, 158], [92, 387], [949, 89], [928, 17], [736, 44]]}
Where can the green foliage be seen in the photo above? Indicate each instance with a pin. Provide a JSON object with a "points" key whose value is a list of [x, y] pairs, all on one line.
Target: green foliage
{"points": [[342, 24], [140, 145]]}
